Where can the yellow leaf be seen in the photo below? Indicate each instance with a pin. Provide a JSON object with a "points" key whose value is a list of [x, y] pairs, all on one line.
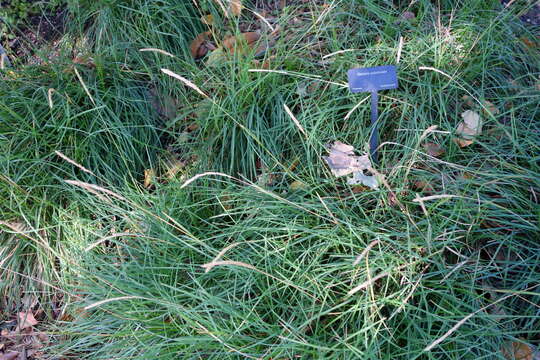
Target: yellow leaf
{"points": [[297, 185], [149, 176], [207, 19]]}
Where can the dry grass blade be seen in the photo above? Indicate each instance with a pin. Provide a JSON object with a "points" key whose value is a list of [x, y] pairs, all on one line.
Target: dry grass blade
{"points": [[73, 162], [106, 301], [369, 282], [95, 189], [189, 181], [366, 250], [49, 97], [185, 81], [295, 120], [400, 47], [209, 266], [157, 50], [84, 85], [435, 197]]}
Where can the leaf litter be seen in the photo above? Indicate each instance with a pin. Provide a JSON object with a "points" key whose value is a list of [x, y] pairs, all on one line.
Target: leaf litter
{"points": [[469, 128], [342, 161]]}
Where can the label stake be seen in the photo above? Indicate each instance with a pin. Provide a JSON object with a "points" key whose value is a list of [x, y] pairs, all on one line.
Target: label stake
{"points": [[372, 80]]}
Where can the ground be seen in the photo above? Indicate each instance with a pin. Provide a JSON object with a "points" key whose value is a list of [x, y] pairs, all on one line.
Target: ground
{"points": [[174, 182]]}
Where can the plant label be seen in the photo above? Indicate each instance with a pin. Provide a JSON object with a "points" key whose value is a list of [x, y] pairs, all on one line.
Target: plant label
{"points": [[372, 79]]}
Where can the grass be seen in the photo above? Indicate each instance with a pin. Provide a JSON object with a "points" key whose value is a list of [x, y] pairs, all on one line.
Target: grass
{"points": [[126, 260]]}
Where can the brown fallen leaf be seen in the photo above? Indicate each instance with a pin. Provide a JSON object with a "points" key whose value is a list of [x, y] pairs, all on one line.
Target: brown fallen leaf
{"points": [[462, 142], [433, 149], [237, 44], [490, 108], [201, 44], [25, 320], [468, 100], [518, 351], [423, 186]]}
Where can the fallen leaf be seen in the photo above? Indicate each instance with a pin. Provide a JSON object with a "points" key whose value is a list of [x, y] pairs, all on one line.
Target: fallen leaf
{"points": [[342, 161], [423, 186], [174, 167], [237, 44], [528, 42], [462, 142], [470, 127], [468, 100], [297, 185], [360, 179], [149, 178], [490, 107], [25, 320], [433, 149], [207, 19], [235, 8], [518, 351], [216, 57], [201, 44]]}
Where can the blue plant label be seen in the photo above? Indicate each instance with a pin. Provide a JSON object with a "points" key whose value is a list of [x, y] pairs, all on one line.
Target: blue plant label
{"points": [[372, 79]]}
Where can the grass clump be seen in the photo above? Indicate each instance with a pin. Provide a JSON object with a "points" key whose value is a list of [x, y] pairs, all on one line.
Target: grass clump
{"points": [[265, 254]]}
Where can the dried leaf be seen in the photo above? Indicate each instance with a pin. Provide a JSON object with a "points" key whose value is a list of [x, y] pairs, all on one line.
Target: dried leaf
{"points": [[468, 100], [518, 351], [237, 44], [216, 57], [25, 320], [149, 178], [207, 19], [423, 186], [462, 142], [200, 45], [360, 179], [174, 168], [297, 185], [490, 108], [470, 127], [342, 161], [433, 149], [235, 8]]}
